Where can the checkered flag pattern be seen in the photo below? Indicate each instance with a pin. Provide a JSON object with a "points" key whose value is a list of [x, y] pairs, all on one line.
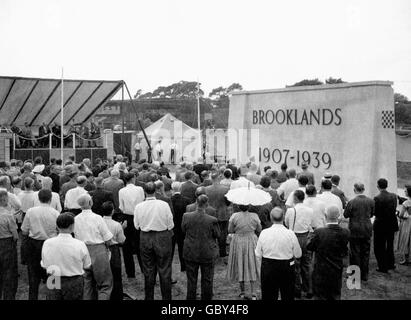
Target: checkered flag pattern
{"points": [[388, 119]]}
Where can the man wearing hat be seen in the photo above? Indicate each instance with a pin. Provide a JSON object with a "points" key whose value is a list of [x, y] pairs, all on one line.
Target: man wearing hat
{"points": [[327, 176], [330, 245], [307, 173]]}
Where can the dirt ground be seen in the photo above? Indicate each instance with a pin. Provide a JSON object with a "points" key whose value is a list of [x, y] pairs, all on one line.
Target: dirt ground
{"points": [[394, 286]]}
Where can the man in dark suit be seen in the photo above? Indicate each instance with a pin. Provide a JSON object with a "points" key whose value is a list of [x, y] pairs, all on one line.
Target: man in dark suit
{"points": [[199, 167], [193, 206], [160, 195], [216, 195], [179, 204], [200, 249], [385, 226], [99, 196], [235, 174], [205, 178], [113, 184], [188, 189], [335, 180], [43, 131], [330, 245], [360, 210]]}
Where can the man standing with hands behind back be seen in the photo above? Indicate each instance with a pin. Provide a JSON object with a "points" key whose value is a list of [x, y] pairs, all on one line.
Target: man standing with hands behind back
{"points": [[385, 226]]}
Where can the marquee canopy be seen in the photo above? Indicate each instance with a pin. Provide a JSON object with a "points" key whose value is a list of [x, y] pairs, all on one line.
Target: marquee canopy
{"points": [[36, 100]]}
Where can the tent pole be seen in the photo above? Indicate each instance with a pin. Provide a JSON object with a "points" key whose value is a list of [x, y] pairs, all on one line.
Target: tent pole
{"points": [[62, 117], [138, 119], [200, 145], [122, 120]]}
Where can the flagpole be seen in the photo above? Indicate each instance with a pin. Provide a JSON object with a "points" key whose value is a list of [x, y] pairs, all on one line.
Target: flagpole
{"points": [[198, 120], [62, 117]]}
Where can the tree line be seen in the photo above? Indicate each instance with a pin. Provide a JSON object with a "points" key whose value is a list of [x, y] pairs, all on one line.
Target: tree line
{"points": [[219, 97]]}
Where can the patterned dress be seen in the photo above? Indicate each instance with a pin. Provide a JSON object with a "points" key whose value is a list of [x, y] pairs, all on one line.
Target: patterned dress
{"points": [[242, 263], [404, 234]]}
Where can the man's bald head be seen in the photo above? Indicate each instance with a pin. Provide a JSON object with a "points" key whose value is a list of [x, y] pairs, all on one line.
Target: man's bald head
{"points": [[277, 215], [332, 213], [85, 202]]}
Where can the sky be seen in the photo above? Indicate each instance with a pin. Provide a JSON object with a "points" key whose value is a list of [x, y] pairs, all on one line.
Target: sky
{"points": [[259, 44]]}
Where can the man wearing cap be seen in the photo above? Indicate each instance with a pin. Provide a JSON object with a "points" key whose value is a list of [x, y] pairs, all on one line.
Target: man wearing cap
{"points": [[360, 210], [277, 247], [327, 176], [155, 220], [93, 231], [70, 201], [330, 245], [130, 196], [307, 173], [70, 257]]}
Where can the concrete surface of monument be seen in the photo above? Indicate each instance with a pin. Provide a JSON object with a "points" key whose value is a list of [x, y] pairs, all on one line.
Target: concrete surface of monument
{"points": [[346, 129]]}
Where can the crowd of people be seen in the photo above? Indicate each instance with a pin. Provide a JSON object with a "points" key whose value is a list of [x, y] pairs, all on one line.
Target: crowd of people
{"points": [[87, 135], [77, 221]]}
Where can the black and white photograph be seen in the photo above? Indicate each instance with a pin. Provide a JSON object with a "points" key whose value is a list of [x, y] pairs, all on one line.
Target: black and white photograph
{"points": [[225, 152]]}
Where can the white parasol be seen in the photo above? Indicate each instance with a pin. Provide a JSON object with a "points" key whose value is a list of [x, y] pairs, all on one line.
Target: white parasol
{"points": [[248, 196]]}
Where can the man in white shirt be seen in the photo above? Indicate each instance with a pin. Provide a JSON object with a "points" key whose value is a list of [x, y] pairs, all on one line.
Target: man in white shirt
{"points": [[39, 224], [118, 239], [93, 231], [159, 150], [130, 196], [14, 204], [312, 201], [300, 220], [302, 183], [242, 181], [119, 161], [329, 198], [173, 153], [155, 220], [137, 150], [289, 185], [277, 247], [47, 183], [70, 202], [68, 257]]}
